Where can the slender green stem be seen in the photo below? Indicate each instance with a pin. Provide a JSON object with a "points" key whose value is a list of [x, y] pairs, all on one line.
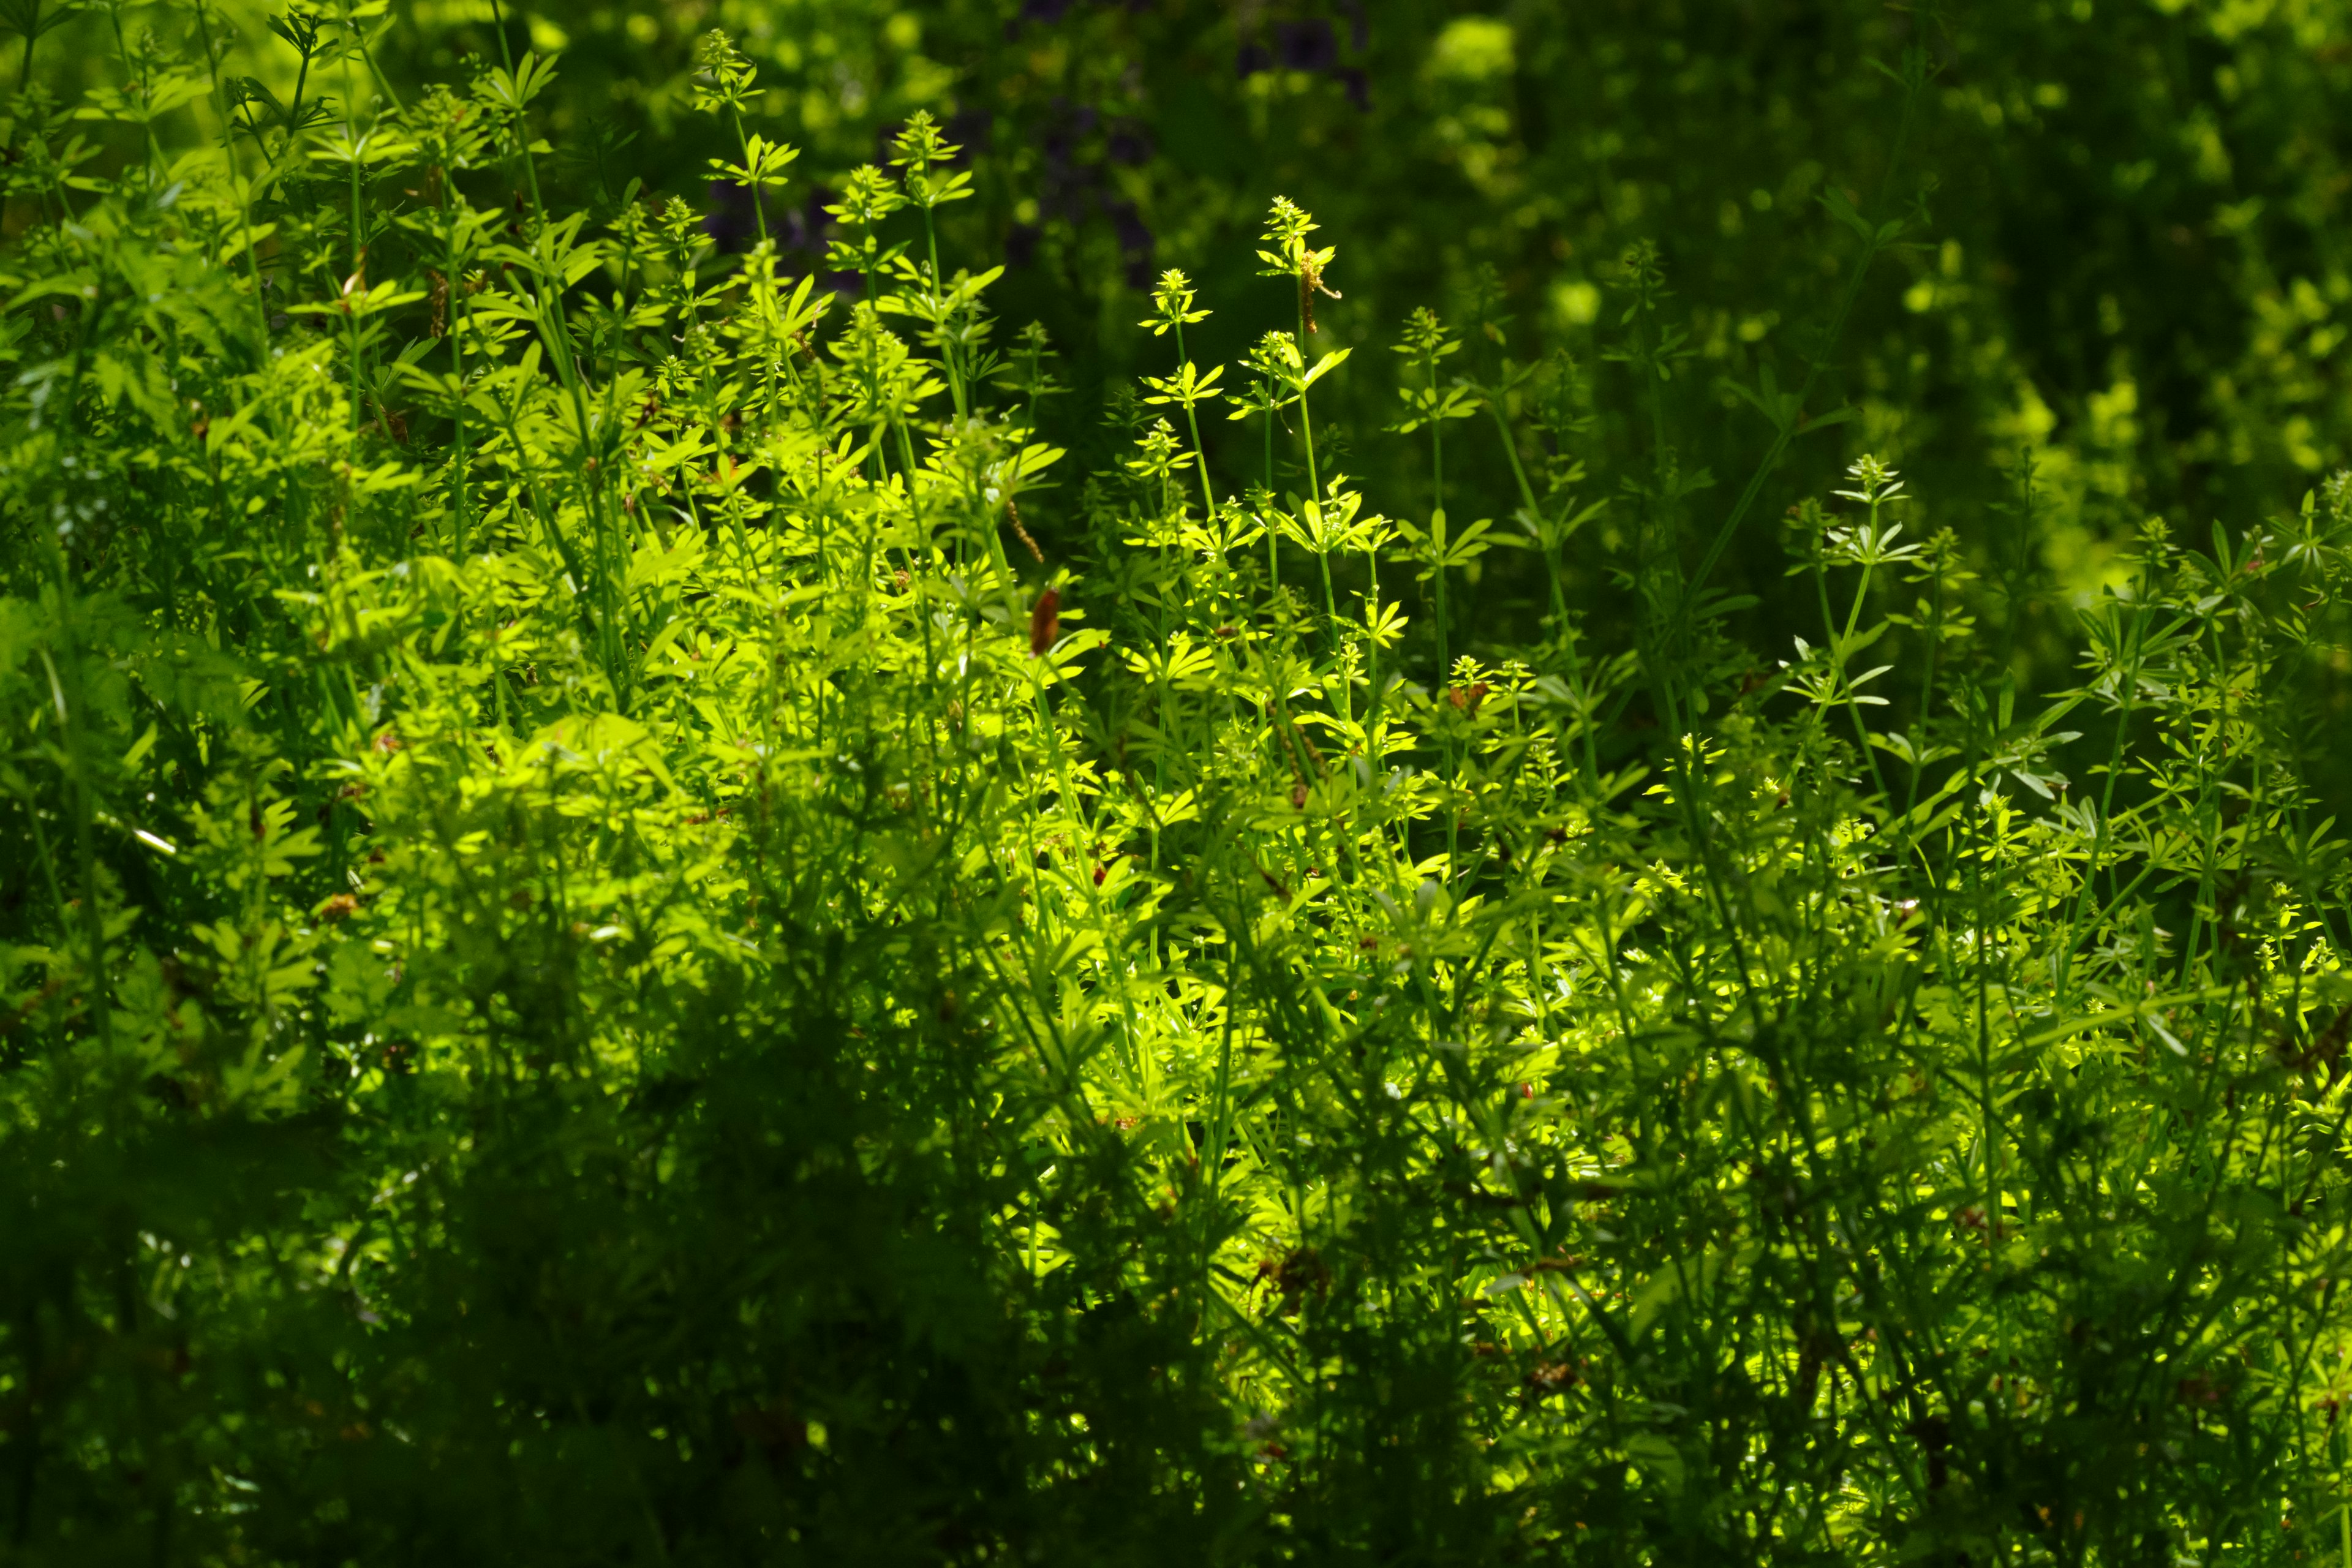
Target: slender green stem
{"points": [[1192, 422]]}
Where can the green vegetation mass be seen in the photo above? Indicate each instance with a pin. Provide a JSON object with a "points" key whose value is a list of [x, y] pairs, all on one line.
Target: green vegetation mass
{"points": [[1083, 782]]}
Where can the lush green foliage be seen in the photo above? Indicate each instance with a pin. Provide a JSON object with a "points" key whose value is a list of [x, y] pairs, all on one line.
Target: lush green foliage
{"points": [[2123, 250], [634, 926]]}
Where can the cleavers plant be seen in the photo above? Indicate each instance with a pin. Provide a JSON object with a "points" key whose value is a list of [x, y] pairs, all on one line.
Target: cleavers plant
{"points": [[609, 953]]}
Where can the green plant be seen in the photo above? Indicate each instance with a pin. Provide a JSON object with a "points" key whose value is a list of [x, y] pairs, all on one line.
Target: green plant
{"points": [[592, 968]]}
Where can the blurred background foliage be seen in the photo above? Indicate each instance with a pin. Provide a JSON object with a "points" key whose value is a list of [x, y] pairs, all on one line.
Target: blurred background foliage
{"points": [[2117, 296], [2121, 256]]}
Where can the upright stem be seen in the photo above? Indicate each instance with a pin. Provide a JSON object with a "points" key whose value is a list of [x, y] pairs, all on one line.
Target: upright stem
{"points": [[1914, 81], [458, 360], [1307, 435], [25, 68], [1273, 542], [555, 330], [1200, 455], [1437, 516], [25, 77], [130, 70], [358, 279], [237, 174], [947, 342], [759, 207]]}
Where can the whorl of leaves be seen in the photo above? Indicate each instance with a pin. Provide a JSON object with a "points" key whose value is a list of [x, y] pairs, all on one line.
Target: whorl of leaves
{"points": [[624, 937]]}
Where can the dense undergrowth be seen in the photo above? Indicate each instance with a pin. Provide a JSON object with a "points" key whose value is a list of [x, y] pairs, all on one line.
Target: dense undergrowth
{"points": [[610, 951]]}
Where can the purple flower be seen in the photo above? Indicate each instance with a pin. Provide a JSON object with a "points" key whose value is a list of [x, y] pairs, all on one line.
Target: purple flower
{"points": [[1127, 224], [973, 132], [1129, 143], [1252, 58], [1360, 31], [733, 222], [800, 231], [1135, 242], [1309, 45]]}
